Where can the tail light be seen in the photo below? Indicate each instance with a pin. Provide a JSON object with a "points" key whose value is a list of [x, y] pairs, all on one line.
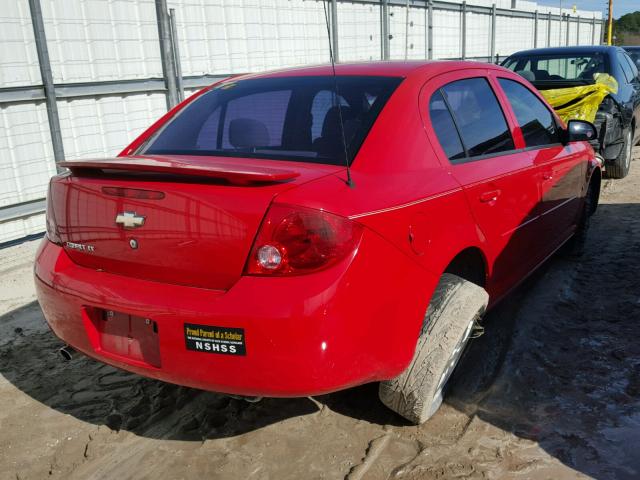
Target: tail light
{"points": [[297, 240], [52, 226]]}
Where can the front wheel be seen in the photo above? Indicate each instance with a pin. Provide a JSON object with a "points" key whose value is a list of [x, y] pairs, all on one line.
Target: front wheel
{"points": [[620, 166], [576, 245], [417, 393]]}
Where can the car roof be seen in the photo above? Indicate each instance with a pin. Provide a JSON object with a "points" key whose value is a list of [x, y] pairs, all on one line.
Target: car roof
{"points": [[424, 68], [563, 50]]}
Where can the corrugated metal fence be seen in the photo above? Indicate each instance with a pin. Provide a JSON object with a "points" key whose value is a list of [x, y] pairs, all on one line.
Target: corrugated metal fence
{"points": [[82, 78]]}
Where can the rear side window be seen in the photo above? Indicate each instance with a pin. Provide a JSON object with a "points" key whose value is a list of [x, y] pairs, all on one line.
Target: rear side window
{"points": [[445, 128], [634, 68], [535, 120], [286, 118], [626, 68], [631, 66], [478, 117]]}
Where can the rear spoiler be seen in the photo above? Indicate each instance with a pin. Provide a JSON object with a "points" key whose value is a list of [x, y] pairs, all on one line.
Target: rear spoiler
{"points": [[237, 171]]}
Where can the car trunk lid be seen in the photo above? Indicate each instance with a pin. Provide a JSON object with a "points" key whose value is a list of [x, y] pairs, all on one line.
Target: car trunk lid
{"points": [[174, 219]]}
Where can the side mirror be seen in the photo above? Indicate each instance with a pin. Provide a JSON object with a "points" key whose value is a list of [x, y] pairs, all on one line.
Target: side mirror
{"points": [[580, 131]]}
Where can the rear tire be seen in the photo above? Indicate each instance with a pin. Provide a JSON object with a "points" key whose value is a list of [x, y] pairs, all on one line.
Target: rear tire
{"points": [[417, 393], [620, 166]]}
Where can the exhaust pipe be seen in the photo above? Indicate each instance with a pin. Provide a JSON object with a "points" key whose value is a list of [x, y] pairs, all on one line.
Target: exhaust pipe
{"points": [[246, 399], [67, 352]]}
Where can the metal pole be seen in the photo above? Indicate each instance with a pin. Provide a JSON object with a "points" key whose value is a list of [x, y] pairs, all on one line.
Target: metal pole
{"points": [[610, 24], [493, 31], [426, 30], [463, 12], [560, 32], [430, 29], [549, 31], [166, 53], [568, 25], [384, 28], [334, 30], [406, 30], [176, 54], [47, 82], [593, 31], [578, 31], [535, 30]]}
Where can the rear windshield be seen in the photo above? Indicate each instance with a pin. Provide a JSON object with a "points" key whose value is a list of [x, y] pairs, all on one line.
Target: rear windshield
{"points": [[287, 118], [576, 69]]}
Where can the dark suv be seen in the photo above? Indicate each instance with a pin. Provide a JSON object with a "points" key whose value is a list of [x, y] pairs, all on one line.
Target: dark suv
{"points": [[619, 113]]}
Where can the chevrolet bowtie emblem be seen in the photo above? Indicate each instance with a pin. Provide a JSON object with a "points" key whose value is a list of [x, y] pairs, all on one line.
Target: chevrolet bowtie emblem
{"points": [[130, 220]]}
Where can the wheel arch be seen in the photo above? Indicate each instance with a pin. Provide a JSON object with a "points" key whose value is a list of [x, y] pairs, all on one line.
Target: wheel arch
{"points": [[595, 180], [470, 264]]}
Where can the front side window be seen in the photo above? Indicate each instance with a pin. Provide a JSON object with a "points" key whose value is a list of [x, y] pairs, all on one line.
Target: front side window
{"points": [[535, 120], [287, 118], [478, 117]]}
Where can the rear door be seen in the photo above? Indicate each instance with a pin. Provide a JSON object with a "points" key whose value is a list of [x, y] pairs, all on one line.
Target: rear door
{"points": [[561, 168], [499, 179]]}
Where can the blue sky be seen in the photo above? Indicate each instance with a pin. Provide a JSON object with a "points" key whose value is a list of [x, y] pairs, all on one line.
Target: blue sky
{"points": [[620, 7]]}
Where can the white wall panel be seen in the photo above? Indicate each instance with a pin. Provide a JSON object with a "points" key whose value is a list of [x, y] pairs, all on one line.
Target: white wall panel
{"points": [[21, 228], [18, 57], [446, 34], [542, 33], [236, 36], [599, 33], [586, 30], [26, 155], [478, 35], [93, 40], [555, 33], [513, 34], [359, 32], [417, 33], [104, 126], [408, 32]]}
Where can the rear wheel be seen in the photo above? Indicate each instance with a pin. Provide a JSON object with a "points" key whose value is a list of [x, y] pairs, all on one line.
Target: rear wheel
{"points": [[620, 166], [417, 393]]}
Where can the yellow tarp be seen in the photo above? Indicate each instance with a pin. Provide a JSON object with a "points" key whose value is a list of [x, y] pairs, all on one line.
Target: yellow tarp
{"points": [[581, 103]]}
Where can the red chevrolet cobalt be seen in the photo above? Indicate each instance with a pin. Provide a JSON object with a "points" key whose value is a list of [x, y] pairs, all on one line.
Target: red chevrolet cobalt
{"points": [[294, 233]]}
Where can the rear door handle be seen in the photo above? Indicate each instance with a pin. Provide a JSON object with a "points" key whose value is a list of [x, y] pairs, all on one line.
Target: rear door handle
{"points": [[490, 196]]}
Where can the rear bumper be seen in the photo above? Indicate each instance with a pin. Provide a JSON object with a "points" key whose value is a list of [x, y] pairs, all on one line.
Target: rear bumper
{"points": [[304, 335]]}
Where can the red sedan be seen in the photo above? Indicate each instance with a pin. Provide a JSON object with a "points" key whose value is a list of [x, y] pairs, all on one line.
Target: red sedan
{"points": [[229, 247]]}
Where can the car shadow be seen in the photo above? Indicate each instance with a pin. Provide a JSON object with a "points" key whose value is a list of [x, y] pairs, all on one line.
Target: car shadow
{"points": [[558, 364]]}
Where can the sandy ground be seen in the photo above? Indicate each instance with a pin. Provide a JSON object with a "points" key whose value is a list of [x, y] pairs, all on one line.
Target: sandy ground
{"points": [[552, 390]]}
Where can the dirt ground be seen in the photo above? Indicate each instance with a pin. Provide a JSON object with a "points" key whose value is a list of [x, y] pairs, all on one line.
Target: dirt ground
{"points": [[552, 390]]}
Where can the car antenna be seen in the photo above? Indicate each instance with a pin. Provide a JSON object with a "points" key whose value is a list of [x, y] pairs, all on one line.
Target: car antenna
{"points": [[336, 97]]}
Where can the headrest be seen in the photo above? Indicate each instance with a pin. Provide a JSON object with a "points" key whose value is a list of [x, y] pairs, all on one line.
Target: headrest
{"points": [[331, 124], [247, 132], [541, 74], [527, 75]]}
